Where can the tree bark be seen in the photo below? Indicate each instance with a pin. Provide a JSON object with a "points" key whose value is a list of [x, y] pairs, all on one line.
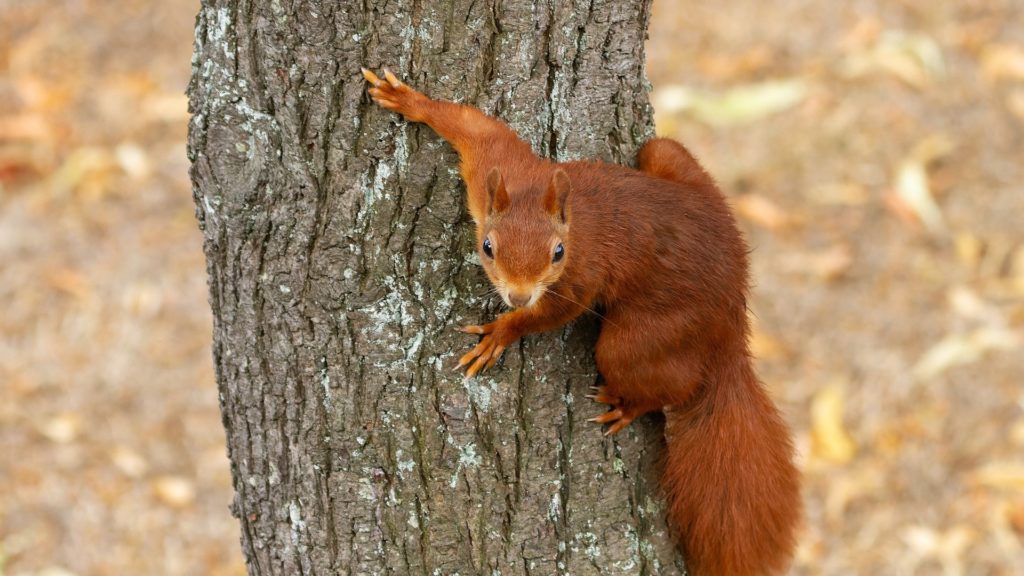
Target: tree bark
{"points": [[340, 256]]}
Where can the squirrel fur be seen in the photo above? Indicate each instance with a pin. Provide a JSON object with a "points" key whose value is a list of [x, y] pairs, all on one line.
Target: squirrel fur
{"points": [[659, 251]]}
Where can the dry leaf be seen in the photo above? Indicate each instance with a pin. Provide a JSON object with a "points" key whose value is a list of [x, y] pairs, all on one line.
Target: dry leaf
{"points": [[63, 428], [830, 440], [166, 108], [765, 347], [839, 194], [133, 160], [969, 249], [730, 66], [131, 463], [1017, 433], [176, 491], [1009, 475], [1015, 518], [914, 58], [1015, 102], [761, 211], [848, 488], [739, 105], [963, 349], [948, 547], [1003, 61], [968, 304], [913, 194], [24, 127], [825, 265], [55, 571], [831, 263], [71, 282], [82, 166]]}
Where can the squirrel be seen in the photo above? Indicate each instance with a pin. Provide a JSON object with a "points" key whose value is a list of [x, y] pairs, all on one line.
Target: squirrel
{"points": [[659, 251]]}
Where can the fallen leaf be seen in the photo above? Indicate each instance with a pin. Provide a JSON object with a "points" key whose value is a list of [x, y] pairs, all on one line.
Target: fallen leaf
{"points": [[730, 66], [1015, 518], [1015, 102], [969, 249], [1017, 433], [966, 302], [914, 58], [738, 105], [1008, 475], [55, 571], [129, 462], [914, 194], [932, 148], [830, 440], [176, 491], [63, 428], [863, 34], [946, 546], [765, 347], [69, 281], [133, 160], [839, 194], [826, 265], [761, 211], [847, 488], [82, 166], [24, 127], [963, 349], [831, 263], [166, 108], [1003, 62]]}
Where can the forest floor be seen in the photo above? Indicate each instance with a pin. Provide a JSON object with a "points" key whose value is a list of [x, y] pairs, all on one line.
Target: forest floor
{"points": [[873, 152]]}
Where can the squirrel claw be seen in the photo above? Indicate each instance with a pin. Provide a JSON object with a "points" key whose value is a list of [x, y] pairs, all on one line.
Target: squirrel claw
{"points": [[616, 427], [392, 79], [609, 416], [371, 77], [604, 399], [393, 94], [599, 395], [618, 418]]}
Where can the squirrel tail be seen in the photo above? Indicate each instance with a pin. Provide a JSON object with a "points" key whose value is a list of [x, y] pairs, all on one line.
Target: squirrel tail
{"points": [[665, 158], [732, 489]]}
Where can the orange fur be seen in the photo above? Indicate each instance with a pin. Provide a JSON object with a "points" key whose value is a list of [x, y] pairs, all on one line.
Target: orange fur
{"points": [[659, 251]]}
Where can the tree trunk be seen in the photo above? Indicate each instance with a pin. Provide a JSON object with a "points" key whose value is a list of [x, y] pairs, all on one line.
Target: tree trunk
{"points": [[340, 255]]}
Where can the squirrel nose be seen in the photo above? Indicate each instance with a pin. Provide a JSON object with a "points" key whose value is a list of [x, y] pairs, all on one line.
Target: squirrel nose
{"points": [[519, 299]]}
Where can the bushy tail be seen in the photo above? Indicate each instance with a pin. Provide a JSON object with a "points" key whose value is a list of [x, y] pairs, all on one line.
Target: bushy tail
{"points": [[733, 492], [668, 159]]}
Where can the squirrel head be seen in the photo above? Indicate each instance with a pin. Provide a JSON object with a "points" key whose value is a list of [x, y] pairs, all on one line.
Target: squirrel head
{"points": [[524, 240]]}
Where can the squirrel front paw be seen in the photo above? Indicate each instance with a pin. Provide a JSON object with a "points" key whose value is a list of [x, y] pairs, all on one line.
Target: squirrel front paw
{"points": [[496, 337], [395, 95]]}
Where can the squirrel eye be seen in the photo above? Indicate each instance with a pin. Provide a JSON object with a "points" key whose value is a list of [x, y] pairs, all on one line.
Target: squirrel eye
{"points": [[559, 253], [487, 248]]}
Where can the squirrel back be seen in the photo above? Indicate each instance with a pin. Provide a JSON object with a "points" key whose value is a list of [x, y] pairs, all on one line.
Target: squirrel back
{"points": [[732, 489]]}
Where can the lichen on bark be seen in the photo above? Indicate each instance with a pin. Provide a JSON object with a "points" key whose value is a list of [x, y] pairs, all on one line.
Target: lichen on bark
{"points": [[340, 257]]}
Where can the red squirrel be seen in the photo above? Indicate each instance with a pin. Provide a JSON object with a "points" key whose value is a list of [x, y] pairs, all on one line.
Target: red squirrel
{"points": [[659, 251]]}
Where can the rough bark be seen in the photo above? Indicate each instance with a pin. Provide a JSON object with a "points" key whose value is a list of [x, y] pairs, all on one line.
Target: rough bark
{"points": [[340, 257]]}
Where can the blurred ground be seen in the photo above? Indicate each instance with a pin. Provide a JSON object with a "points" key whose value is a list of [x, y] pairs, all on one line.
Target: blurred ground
{"points": [[114, 460], [872, 149], [874, 152]]}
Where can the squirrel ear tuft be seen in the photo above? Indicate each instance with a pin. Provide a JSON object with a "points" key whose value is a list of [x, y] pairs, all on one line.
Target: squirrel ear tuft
{"points": [[497, 196], [557, 196]]}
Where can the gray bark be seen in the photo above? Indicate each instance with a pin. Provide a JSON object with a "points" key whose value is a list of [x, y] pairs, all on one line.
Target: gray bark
{"points": [[340, 257]]}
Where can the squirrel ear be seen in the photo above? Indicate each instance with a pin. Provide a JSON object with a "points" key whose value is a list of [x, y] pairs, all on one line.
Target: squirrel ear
{"points": [[497, 196], [557, 196]]}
